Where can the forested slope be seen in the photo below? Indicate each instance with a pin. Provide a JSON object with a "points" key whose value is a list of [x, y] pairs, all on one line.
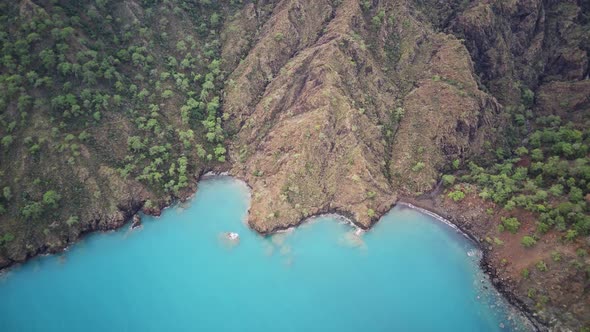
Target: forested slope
{"points": [[107, 106]]}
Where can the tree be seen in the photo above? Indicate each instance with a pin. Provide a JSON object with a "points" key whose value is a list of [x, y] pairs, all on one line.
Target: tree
{"points": [[448, 180], [135, 143], [214, 20], [167, 94], [96, 115], [51, 198], [7, 193], [456, 195], [181, 46], [537, 154], [511, 224], [47, 58], [521, 151], [32, 210], [377, 20], [576, 194], [556, 190], [201, 151], [72, 220], [528, 97], [7, 140]]}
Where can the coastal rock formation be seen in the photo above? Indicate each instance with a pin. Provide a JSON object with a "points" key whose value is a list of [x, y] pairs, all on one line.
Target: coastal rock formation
{"points": [[136, 221], [325, 123]]}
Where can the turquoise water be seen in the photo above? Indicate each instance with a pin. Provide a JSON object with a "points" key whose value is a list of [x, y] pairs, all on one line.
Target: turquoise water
{"points": [[177, 273]]}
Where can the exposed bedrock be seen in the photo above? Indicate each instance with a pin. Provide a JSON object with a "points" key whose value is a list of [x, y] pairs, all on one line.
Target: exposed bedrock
{"points": [[343, 115]]}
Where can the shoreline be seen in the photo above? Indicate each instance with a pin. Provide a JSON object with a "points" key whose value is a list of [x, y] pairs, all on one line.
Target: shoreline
{"points": [[426, 206], [429, 207]]}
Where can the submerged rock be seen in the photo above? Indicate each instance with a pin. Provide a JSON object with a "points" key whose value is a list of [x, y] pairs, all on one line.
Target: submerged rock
{"points": [[229, 239]]}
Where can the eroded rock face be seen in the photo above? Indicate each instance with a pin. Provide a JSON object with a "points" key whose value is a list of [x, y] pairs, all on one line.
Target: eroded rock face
{"points": [[326, 122], [136, 221], [570, 100], [340, 108], [532, 41]]}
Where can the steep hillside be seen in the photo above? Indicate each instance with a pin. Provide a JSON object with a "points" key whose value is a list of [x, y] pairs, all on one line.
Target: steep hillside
{"points": [[106, 107], [371, 101], [346, 110]]}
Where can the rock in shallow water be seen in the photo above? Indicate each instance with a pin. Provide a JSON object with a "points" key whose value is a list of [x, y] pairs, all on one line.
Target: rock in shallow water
{"points": [[136, 221]]}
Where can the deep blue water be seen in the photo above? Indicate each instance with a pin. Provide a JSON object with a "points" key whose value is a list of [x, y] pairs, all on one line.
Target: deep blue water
{"points": [[177, 273]]}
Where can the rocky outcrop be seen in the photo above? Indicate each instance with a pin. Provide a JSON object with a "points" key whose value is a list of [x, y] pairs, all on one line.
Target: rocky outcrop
{"points": [[136, 221], [526, 41], [324, 124], [570, 100]]}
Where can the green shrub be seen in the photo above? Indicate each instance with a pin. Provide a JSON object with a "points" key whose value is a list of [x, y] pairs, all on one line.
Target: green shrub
{"points": [[448, 180], [521, 151], [6, 238], [511, 224], [7, 193], [398, 114], [537, 155], [7, 140], [541, 266], [542, 227], [418, 166], [571, 234], [51, 198], [528, 241], [556, 190], [456, 195], [528, 97], [72, 220], [377, 20], [531, 293]]}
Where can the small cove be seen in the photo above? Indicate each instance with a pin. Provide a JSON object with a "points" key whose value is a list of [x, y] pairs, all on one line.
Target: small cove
{"points": [[178, 273]]}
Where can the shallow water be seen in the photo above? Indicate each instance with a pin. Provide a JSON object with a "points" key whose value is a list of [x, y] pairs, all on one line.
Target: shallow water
{"points": [[178, 273]]}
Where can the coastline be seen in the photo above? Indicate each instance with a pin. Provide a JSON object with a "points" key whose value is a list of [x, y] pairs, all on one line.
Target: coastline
{"points": [[427, 205], [438, 212], [116, 220]]}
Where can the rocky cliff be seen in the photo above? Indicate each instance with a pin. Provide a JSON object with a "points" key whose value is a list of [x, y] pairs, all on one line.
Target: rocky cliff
{"points": [[343, 111]]}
